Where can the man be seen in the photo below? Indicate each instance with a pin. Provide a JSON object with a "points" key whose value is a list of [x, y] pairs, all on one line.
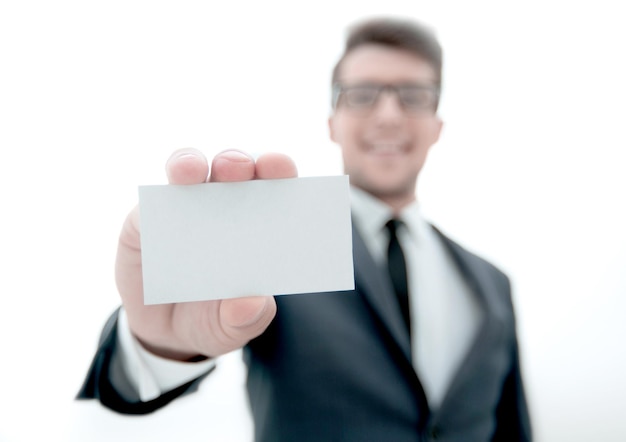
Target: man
{"points": [[425, 346]]}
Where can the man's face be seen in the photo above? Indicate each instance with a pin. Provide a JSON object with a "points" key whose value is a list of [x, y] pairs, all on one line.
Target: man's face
{"points": [[385, 146]]}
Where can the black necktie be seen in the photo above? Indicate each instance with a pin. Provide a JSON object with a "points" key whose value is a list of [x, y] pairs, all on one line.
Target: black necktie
{"points": [[397, 270]]}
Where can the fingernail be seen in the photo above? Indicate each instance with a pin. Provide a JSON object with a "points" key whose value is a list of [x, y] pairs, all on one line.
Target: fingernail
{"points": [[184, 153], [234, 155]]}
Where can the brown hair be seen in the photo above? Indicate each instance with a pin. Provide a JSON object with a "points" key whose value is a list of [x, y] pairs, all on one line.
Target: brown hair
{"points": [[399, 34]]}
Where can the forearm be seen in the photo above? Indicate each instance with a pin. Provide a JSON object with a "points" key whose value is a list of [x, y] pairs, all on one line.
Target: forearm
{"points": [[128, 379]]}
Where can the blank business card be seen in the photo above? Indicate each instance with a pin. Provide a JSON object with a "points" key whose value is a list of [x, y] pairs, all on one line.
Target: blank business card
{"points": [[262, 237]]}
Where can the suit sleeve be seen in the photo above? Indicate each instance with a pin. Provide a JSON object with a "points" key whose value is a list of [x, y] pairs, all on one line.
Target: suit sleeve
{"points": [[513, 420], [107, 382]]}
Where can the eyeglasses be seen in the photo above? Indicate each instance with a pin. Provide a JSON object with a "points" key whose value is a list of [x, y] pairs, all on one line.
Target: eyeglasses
{"points": [[416, 99]]}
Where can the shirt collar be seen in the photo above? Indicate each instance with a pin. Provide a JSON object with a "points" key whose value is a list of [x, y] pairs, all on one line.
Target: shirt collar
{"points": [[370, 214]]}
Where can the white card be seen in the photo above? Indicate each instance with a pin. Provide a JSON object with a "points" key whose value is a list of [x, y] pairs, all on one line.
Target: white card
{"points": [[262, 237]]}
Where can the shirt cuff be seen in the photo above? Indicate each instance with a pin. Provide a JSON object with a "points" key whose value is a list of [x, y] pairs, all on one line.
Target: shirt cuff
{"points": [[149, 374]]}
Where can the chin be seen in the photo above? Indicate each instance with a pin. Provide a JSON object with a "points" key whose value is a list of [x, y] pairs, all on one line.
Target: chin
{"points": [[390, 190]]}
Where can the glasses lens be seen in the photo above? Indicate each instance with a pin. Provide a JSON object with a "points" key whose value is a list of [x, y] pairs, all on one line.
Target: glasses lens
{"points": [[361, 96], [417, 98]]}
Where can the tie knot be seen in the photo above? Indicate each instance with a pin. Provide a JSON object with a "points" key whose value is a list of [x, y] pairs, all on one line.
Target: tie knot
{"points": [[392, 226]]}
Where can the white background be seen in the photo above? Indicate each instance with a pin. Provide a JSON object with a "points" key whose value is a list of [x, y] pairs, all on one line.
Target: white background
{"points": [[528, 173]]}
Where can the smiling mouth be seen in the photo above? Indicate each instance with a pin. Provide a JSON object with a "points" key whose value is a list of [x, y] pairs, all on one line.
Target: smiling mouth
{"points": [[387, 149]]}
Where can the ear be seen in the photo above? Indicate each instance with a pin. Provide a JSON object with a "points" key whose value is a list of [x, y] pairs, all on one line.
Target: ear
{"points": [[436, 129], [331, 128]]}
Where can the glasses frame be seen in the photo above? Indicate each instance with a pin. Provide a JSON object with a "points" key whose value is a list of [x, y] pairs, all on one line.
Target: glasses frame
{"points": [[339, 89]]}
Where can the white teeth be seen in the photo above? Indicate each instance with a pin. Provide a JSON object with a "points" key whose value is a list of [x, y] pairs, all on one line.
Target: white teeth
{"points": [[386, 148]]}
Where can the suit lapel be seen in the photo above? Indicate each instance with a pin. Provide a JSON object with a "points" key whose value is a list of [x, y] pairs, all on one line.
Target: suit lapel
{"points": [[375, 286], [481, 284]]}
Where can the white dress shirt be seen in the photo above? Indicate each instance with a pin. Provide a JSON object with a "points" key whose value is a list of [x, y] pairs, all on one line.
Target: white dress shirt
{"points": [[152, 375], [444, 313]]}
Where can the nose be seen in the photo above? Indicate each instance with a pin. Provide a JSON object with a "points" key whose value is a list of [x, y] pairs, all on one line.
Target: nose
{"points": [[388, 106]]}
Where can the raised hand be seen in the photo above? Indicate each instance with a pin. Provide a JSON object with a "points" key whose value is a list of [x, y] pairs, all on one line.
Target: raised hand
{"points": [[208, 328]]}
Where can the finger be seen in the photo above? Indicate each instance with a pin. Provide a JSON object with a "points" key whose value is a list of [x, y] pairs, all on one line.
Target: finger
{"points": [[187, 166], [244, 312], [243, 319], [232, 165], [214, 328], [275, 165], [128, 262]]}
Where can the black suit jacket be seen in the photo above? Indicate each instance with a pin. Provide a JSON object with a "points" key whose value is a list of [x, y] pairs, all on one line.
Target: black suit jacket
{"points": [[337, 367]]}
